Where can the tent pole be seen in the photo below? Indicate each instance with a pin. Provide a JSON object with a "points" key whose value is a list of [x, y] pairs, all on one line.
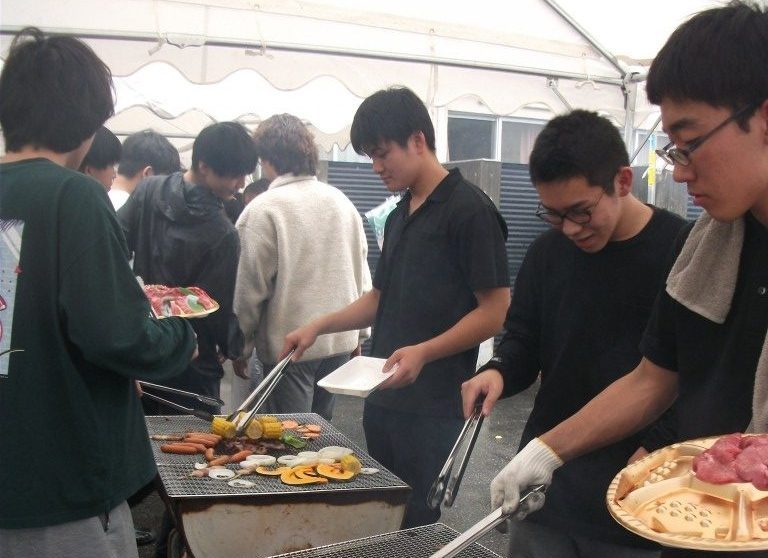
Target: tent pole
{"points": [[584, 33], [331, 51]]}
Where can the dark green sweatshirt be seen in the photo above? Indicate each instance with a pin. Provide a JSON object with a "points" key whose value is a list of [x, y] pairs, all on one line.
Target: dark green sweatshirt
{"points": [[73, 442]]}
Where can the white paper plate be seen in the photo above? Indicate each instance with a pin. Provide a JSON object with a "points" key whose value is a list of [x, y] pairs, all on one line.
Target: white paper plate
{"points": [[358, 377]]}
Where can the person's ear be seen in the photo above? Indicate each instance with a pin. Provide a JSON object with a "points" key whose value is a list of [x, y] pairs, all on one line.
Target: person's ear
{"points": [[148, 171], [762, 113], [622, 182], [419, 141]]}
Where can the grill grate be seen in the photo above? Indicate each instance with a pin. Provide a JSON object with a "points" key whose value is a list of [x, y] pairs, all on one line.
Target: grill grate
{"points": [[419, 542], [174, 469]]}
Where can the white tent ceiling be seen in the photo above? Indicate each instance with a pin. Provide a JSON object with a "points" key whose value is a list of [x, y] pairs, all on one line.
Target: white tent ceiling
{"points": [[181, 64]]}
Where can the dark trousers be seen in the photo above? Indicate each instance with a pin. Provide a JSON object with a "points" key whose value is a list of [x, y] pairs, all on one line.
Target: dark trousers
{"points": [[414, 447]]}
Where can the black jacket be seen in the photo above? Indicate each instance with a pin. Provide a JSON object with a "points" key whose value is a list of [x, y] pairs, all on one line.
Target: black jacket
{"points": [[180, 236]]}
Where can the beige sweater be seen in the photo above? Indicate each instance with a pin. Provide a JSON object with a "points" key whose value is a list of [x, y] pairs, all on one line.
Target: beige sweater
{"points": [[303, 254]]}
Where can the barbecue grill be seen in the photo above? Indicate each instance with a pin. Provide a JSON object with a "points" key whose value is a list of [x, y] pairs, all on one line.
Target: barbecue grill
{"points": [[270, 518], [419, 542]]}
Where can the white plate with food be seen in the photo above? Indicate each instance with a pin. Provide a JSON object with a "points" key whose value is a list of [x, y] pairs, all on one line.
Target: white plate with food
{"points": [[359, 377]]}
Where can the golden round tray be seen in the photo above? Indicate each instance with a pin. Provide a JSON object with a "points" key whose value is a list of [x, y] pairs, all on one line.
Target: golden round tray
{"points": [[659, 498]]}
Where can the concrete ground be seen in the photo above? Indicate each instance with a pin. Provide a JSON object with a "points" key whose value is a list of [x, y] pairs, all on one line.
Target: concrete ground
{"points": [[496, 444]]}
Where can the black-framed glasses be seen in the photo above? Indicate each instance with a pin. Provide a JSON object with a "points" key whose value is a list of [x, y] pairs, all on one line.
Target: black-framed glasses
{"points": [[682, 155], [579, 215]]}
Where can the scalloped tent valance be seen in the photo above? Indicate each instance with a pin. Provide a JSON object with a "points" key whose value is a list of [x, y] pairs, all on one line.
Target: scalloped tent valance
{"points": [[180, 65]]}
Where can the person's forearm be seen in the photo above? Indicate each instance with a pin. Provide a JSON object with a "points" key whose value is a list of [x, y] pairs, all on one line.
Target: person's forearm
{"points": [[623, 408], [480, 324], [358, 315]]}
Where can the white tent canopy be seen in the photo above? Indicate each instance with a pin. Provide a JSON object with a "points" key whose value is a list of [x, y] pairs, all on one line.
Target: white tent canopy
{"points": [[182, 64]]}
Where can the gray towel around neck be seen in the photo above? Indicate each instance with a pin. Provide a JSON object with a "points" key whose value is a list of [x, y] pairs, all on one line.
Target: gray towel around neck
{"points": [[703, 279]]}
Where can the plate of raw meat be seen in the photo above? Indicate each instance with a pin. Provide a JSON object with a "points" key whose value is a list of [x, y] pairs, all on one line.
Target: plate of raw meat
{"points": [[186, 302], [707, 494]]}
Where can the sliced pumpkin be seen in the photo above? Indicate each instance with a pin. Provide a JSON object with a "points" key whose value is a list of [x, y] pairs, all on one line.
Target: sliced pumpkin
{"points": [[351, 463], [270, 472], [300, 475], [334, 472]]}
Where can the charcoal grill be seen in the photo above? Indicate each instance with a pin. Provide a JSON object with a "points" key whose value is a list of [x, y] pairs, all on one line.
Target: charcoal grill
{"points": [[419, 542], [270, 518]]}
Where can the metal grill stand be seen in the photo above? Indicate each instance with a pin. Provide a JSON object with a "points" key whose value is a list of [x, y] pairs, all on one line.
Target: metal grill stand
{"points": [[219, 521]]}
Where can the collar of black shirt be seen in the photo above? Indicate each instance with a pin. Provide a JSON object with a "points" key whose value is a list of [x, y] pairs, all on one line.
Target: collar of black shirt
{"points": [[441, 192]]}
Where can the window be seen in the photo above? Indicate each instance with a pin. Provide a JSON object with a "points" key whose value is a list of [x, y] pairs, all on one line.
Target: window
{"points": [[347, 155], [517, 138], [471, 137]]}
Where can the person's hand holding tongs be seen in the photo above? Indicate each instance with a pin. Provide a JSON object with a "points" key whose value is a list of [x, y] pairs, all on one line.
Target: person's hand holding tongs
{"points": [[259, 395], [446, 486]]}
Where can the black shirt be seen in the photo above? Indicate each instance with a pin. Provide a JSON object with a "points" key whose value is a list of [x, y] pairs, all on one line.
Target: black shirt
{"points": [[578, 318], [431, 264], [181, 236], [716, 362]]}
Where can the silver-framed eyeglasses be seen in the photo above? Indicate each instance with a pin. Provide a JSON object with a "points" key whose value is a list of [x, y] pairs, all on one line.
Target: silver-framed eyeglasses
{"points": [[682, 155], [578, 215]]}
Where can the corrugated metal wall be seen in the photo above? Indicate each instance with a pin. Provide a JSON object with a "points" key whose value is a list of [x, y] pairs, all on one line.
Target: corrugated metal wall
{"points": [[518, 206], [365, 189], [693, 210]]}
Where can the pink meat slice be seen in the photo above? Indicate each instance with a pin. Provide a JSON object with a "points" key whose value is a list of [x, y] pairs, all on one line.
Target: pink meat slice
{"points": [[752, 465], [708, 469], [754, 440], [717, 465]]}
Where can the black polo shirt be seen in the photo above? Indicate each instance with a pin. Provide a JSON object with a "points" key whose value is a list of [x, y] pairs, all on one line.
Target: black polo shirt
{"points": [[431, 264], [716, 362]]}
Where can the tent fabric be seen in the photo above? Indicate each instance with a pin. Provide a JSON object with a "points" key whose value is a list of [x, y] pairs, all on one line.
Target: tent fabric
{"points": [[180, 65]]}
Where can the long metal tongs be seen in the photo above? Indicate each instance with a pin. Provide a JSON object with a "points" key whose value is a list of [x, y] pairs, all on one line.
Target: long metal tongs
{"points": [[446, 486], [199, 413], [482, 527], [205, 399], [260, 394]]}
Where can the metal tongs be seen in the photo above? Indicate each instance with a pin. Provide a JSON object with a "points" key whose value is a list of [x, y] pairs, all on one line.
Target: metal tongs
{"points": [[262, 391], [199, 413], [483, 526], [446, 486]]}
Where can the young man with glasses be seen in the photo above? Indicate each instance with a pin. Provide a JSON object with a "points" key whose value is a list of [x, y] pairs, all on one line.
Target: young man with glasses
{"points": [[581, 300], [705, 345]]}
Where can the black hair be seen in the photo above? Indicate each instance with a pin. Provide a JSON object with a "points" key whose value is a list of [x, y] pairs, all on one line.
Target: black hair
{"points": [[104, 151], [717, 57], [54, 92], [580, 143], [256, 188], [284, 141], [227, 148], [148, 149], [392, 114]]}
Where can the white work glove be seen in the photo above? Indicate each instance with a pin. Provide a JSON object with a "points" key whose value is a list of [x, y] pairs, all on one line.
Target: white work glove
{"points": [[533, 465]]}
